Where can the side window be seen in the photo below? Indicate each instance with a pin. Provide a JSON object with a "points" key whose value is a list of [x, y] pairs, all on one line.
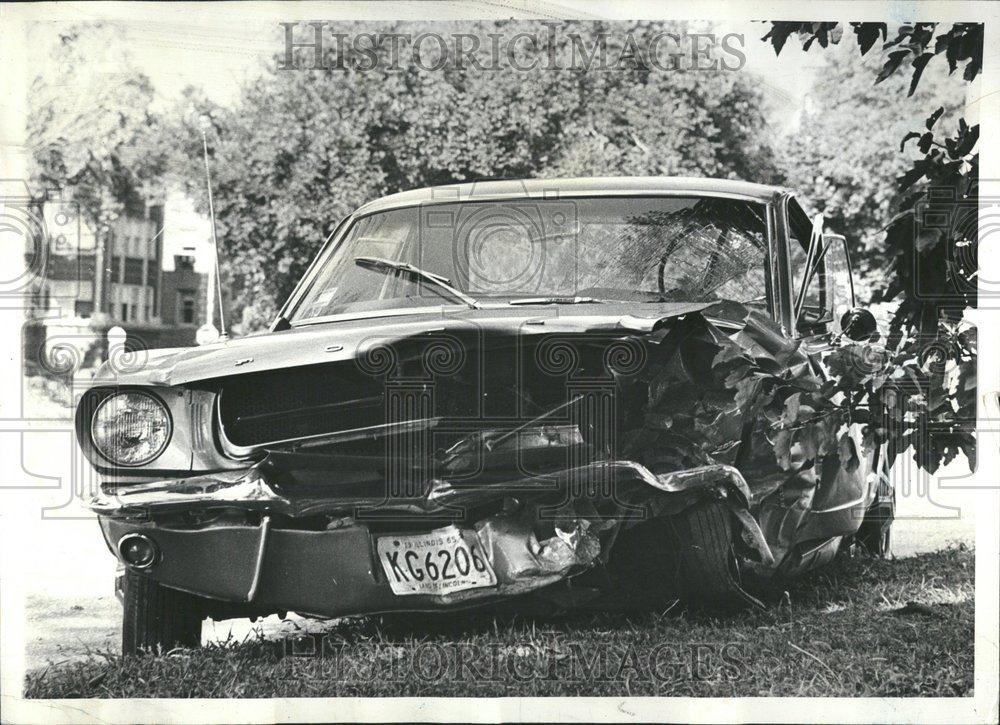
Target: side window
{"points": [[839, 282], [820, 272], [797, 261], [829, 291], [810, 288]]}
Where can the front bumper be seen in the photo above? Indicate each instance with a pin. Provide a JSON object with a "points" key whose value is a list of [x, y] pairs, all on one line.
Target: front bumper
{"points": [[335, 571]]}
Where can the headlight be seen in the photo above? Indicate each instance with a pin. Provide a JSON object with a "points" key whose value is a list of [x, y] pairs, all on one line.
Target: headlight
{"points": [[131, 429]]}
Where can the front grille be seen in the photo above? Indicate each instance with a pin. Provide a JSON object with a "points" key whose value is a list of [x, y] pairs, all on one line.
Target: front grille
{"points": [[278, 405], [497, 386]]}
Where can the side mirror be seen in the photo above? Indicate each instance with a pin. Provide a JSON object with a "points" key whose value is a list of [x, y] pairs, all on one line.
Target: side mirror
{"points": [[858, 324]]}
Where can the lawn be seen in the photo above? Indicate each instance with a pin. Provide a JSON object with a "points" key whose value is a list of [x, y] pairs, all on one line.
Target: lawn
{"points": [[861, 627]]}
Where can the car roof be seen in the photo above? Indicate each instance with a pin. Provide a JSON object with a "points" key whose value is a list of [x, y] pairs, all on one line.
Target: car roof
{"points": [[573, 187]]}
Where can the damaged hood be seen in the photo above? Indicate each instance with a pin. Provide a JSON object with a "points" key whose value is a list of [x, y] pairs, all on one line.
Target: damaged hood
{"points": [[346, 338]]}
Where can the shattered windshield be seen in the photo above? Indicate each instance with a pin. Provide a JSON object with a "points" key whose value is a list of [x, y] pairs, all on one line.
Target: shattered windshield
{"points": [[528, 251]]}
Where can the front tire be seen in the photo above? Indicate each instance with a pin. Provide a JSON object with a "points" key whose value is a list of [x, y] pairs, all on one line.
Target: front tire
{"points": [[688, 556], [156, 618], [875, 532]]}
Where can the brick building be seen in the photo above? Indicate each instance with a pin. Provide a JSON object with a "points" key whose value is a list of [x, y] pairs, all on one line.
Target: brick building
{"points": [[88, 284], [183, 298]]}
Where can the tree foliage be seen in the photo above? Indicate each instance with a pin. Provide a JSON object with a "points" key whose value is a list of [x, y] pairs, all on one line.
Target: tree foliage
{"points": [[845, 149], [90, 126], [926, 379], [305, 147]]}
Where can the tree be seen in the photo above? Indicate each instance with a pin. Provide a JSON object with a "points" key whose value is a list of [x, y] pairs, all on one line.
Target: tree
{"points": [[305, 147], [90, 129], [927, 375], [844, 155]]}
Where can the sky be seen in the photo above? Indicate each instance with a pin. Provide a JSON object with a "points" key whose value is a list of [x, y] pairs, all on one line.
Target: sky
{"points": [[219, 48]]}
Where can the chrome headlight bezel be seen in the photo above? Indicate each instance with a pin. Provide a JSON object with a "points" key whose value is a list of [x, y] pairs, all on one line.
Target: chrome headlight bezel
{"points": [[164, 409]]}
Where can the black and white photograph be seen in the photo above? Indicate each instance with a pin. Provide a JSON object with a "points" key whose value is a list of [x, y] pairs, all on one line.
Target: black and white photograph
{"points": [[500, 361]]}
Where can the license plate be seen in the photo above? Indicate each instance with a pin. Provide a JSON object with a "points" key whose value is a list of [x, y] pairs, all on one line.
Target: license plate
{"points": [[442, 562]]}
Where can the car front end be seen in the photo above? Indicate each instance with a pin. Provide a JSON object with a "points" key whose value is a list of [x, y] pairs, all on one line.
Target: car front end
{"points": [[415, 438]]}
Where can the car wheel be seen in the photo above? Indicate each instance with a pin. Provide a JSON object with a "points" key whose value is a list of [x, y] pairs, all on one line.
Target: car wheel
{"points": [[157, 618], [875, 532], [688, 556]]}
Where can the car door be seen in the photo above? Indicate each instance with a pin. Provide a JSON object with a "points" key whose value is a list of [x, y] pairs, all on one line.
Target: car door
{"points": [[822, 290], [822, 286]]}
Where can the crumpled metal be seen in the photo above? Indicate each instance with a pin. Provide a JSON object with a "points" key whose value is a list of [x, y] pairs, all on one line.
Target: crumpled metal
{"points": [[526, 562]]}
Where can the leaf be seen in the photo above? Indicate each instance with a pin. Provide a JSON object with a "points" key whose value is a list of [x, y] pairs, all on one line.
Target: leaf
{"points": [[896, 58], [792, 407], [966, 143], [808, 440], [779, 33], [932, 119], [972, 68], [907, 137], [925, 142], [726, 354], [927, 239], [968, 447], [868, 34], [919, 63], [746, 392], [971, 47], [783, 448], [921, 35], [738, 375], [952, 45], [911, 177], [848, 453], [901, 34]]}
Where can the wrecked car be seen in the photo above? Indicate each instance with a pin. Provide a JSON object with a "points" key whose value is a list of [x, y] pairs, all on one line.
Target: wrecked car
{"points": [[499, 392]]}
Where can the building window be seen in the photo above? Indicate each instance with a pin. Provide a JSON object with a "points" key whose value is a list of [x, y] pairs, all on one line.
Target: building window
{"points": [[83, 308], [185, 307], [124, 311], [133, 270]]}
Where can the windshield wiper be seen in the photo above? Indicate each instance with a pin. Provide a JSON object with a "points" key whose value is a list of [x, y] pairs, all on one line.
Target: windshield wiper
{"points": [[553, 301], [434, 279]]}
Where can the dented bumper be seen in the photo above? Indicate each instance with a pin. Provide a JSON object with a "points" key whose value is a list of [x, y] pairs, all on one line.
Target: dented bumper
{"points": [[273, 563]]}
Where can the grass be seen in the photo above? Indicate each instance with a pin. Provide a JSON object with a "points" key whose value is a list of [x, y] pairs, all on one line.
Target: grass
{"points": [[861, 627]]}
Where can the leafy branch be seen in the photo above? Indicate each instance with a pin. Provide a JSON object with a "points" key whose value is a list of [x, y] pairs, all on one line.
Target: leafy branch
{"points": [[925, 381]]}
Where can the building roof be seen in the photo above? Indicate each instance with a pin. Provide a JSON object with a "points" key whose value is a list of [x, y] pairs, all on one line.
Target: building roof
{"points": [[575, 187]]}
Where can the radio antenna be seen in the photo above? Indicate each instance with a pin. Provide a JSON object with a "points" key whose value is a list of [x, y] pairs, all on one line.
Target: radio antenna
{"points": [[215, 280]]}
